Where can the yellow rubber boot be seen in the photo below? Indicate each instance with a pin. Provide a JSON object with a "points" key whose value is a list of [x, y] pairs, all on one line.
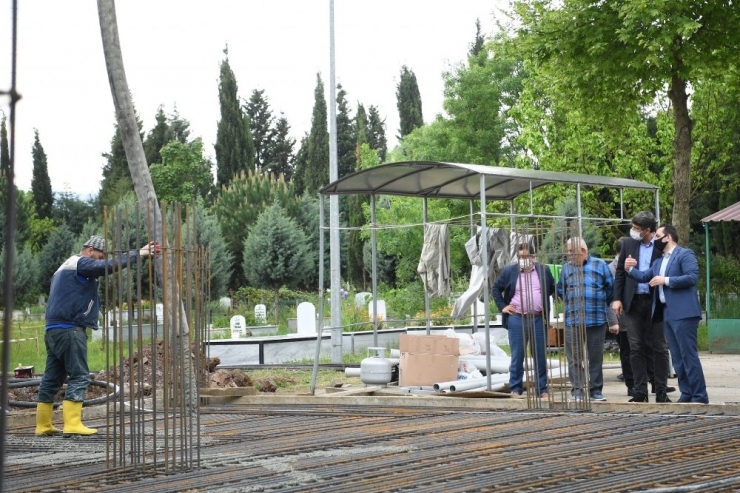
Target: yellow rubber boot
{"points": [[44, 412], [72, 412]]}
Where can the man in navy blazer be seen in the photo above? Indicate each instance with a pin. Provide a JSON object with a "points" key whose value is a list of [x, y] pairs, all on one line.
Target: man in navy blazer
{"points": [[522, 293], [676, 300]]}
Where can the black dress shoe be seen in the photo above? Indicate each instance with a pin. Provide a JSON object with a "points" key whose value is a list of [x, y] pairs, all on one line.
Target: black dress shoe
{"points": [[668, 390], [620, 377], [639, 397], [661, 397]]}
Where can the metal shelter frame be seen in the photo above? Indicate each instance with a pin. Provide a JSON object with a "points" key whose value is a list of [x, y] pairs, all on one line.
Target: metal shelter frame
{"points": [[728, 335], [427, 179]]}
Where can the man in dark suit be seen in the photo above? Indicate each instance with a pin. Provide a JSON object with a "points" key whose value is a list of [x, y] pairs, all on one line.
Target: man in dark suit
{"points": [[522, 293], [632, 302], [674, 279]]}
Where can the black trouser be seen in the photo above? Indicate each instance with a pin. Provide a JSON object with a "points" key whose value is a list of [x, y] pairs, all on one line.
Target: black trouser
{"points": [[624, 359], [643, 333]]}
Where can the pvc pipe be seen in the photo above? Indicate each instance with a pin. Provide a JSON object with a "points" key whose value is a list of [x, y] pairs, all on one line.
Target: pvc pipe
{"points": [[495, 378], [475, 386], [501, 364], [352, 372]]}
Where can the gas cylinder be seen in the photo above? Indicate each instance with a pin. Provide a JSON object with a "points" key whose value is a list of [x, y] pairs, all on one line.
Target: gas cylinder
{"points": [[376, 370]]}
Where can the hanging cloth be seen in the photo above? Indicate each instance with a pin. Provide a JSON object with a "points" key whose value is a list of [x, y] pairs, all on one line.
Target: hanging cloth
{"points": [[498, 258], [434, 263]]}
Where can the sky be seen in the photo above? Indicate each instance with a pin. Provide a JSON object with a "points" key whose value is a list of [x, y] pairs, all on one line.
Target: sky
{"points": [[172, 51]]}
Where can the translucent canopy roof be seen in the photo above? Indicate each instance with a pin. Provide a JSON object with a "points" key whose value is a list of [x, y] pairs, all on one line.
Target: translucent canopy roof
{"points": [[462, 181]]}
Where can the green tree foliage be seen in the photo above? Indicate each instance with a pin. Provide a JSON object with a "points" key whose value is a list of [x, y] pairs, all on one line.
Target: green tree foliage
{"points": [[184, 174], [240, 204], [316, 173], [477, 97], [261, 124], [346, 159], [25, 287], [179, 126], [300, 167], [476, 47], [158, 137], [43, 198], [376, 133], [209, 236], [356, 271], [73, 211], [234, 144], [60, 247], [612, 56], [116, 174], [276, 252], [281, 154], [408, 101]]}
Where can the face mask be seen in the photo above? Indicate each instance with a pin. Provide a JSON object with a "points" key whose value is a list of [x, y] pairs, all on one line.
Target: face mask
{"points": [[635, 235], [524, 263], [659, 245]]}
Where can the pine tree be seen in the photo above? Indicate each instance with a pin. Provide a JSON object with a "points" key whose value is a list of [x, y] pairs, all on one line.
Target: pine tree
{"points": [[180, 127], [376, 133], [346, 140], [234, 145], [276, 252], [281, 152], [317, 159], [4, 149], [158, 137], [43, 197], [408, 101], [261, 125]]}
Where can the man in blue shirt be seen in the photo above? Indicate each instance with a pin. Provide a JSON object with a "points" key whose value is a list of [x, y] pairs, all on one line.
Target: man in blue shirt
{"points": [[73, 306], [585, 286]]}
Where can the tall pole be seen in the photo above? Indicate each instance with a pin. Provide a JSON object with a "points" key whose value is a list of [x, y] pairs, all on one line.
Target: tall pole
{"points": [[336, 302]]}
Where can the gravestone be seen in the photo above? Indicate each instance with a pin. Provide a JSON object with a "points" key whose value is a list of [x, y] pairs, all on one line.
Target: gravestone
{"points": [[238, 326], [225, 302], [159, 312], [480, 307], [260, 314], [306, 314], [361, 299], [381, 310], [42, 300]]}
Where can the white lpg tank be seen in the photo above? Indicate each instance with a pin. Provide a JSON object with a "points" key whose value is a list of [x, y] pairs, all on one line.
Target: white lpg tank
{"points": [[376, 370]]}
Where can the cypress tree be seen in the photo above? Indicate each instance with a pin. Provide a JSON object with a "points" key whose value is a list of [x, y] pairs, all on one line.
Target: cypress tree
{"points": [[281, 152], [376, 133], [158, 137], [346, 140], [43, 199], [300, 165], [234, 145], [408, 101], [477, 45], [317, 159], [117, 180], [261, 125], [361, 125]]}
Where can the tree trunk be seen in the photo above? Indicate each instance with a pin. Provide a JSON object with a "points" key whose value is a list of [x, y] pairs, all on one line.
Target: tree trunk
{"points": [[682, 143], [143, 186]]}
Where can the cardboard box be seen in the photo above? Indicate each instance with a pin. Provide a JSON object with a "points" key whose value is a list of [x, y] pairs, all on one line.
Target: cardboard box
{"points": [[426, 369], [427, 359], [424, 344]]}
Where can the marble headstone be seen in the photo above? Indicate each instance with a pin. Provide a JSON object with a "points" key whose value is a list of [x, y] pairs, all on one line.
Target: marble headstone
{"points": [[361, 299], [159, 312], [260, 314], [381, 310], [480, 307], [238, 326], [225, 302], [306, 318]]}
